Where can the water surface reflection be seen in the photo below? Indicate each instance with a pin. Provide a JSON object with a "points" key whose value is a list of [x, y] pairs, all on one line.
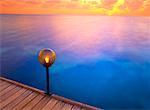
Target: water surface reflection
{"points": [[102, 61]]}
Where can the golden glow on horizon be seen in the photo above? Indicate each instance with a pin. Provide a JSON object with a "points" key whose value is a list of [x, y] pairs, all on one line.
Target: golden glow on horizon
{"points": [[103, 7]]}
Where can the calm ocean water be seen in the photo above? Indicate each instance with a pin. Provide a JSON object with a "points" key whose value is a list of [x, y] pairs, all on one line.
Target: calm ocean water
{"points": [[102, 61]]}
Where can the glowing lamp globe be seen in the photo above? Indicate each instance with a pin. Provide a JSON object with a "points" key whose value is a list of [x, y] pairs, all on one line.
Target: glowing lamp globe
{"points": [[47, 57]]}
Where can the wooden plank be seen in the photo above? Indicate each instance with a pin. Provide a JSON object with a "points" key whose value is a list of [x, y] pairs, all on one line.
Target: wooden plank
{"points": [[42, 103], [84, 109], [3, 82], [11, 105], [5, 96], [76, 108], [22, 85], [30, 105], [4, 86], [7, 90], [65, 100], [25, 101], [4, 103], [59, 105], [67, 107], [50, 104]]}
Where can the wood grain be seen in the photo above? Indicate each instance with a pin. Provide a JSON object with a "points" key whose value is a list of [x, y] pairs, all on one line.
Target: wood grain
{"points": [[17, 96]]}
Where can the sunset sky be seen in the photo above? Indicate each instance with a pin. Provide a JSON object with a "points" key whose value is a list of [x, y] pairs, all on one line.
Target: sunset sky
{"points": [[102, 7]]}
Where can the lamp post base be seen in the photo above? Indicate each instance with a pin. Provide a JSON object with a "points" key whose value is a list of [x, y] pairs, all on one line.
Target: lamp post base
{"points": [[49, 94]]}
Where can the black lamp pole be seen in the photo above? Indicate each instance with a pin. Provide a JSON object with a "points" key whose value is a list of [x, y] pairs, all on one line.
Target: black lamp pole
{"points": [[47, 80]]}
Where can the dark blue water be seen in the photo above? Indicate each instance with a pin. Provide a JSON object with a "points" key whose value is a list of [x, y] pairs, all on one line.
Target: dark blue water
{"points": [[102, 61]]}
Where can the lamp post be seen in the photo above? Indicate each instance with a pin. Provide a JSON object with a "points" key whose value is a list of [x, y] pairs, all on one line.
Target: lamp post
{"points": [[46, 58]]}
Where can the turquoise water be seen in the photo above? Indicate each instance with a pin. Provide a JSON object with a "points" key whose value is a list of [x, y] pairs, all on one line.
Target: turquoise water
{"points": [[101, 60]]}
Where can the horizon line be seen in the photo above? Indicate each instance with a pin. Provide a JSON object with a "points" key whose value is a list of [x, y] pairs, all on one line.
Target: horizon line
{"points": [[83, 14]]}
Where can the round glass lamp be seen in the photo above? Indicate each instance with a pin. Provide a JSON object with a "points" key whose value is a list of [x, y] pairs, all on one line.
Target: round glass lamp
{"points": [[46, 58]]}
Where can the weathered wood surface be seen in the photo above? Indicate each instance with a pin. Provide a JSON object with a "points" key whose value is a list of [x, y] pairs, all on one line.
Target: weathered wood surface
{"points": [[16, 96]]}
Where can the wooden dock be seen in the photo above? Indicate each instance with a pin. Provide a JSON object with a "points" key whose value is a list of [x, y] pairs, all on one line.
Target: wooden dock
{"points": [[17, 96]]}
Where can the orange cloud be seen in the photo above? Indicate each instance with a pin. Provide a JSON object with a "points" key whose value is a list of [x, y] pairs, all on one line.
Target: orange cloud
{"points": [[108, 4], [107, 7]]}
